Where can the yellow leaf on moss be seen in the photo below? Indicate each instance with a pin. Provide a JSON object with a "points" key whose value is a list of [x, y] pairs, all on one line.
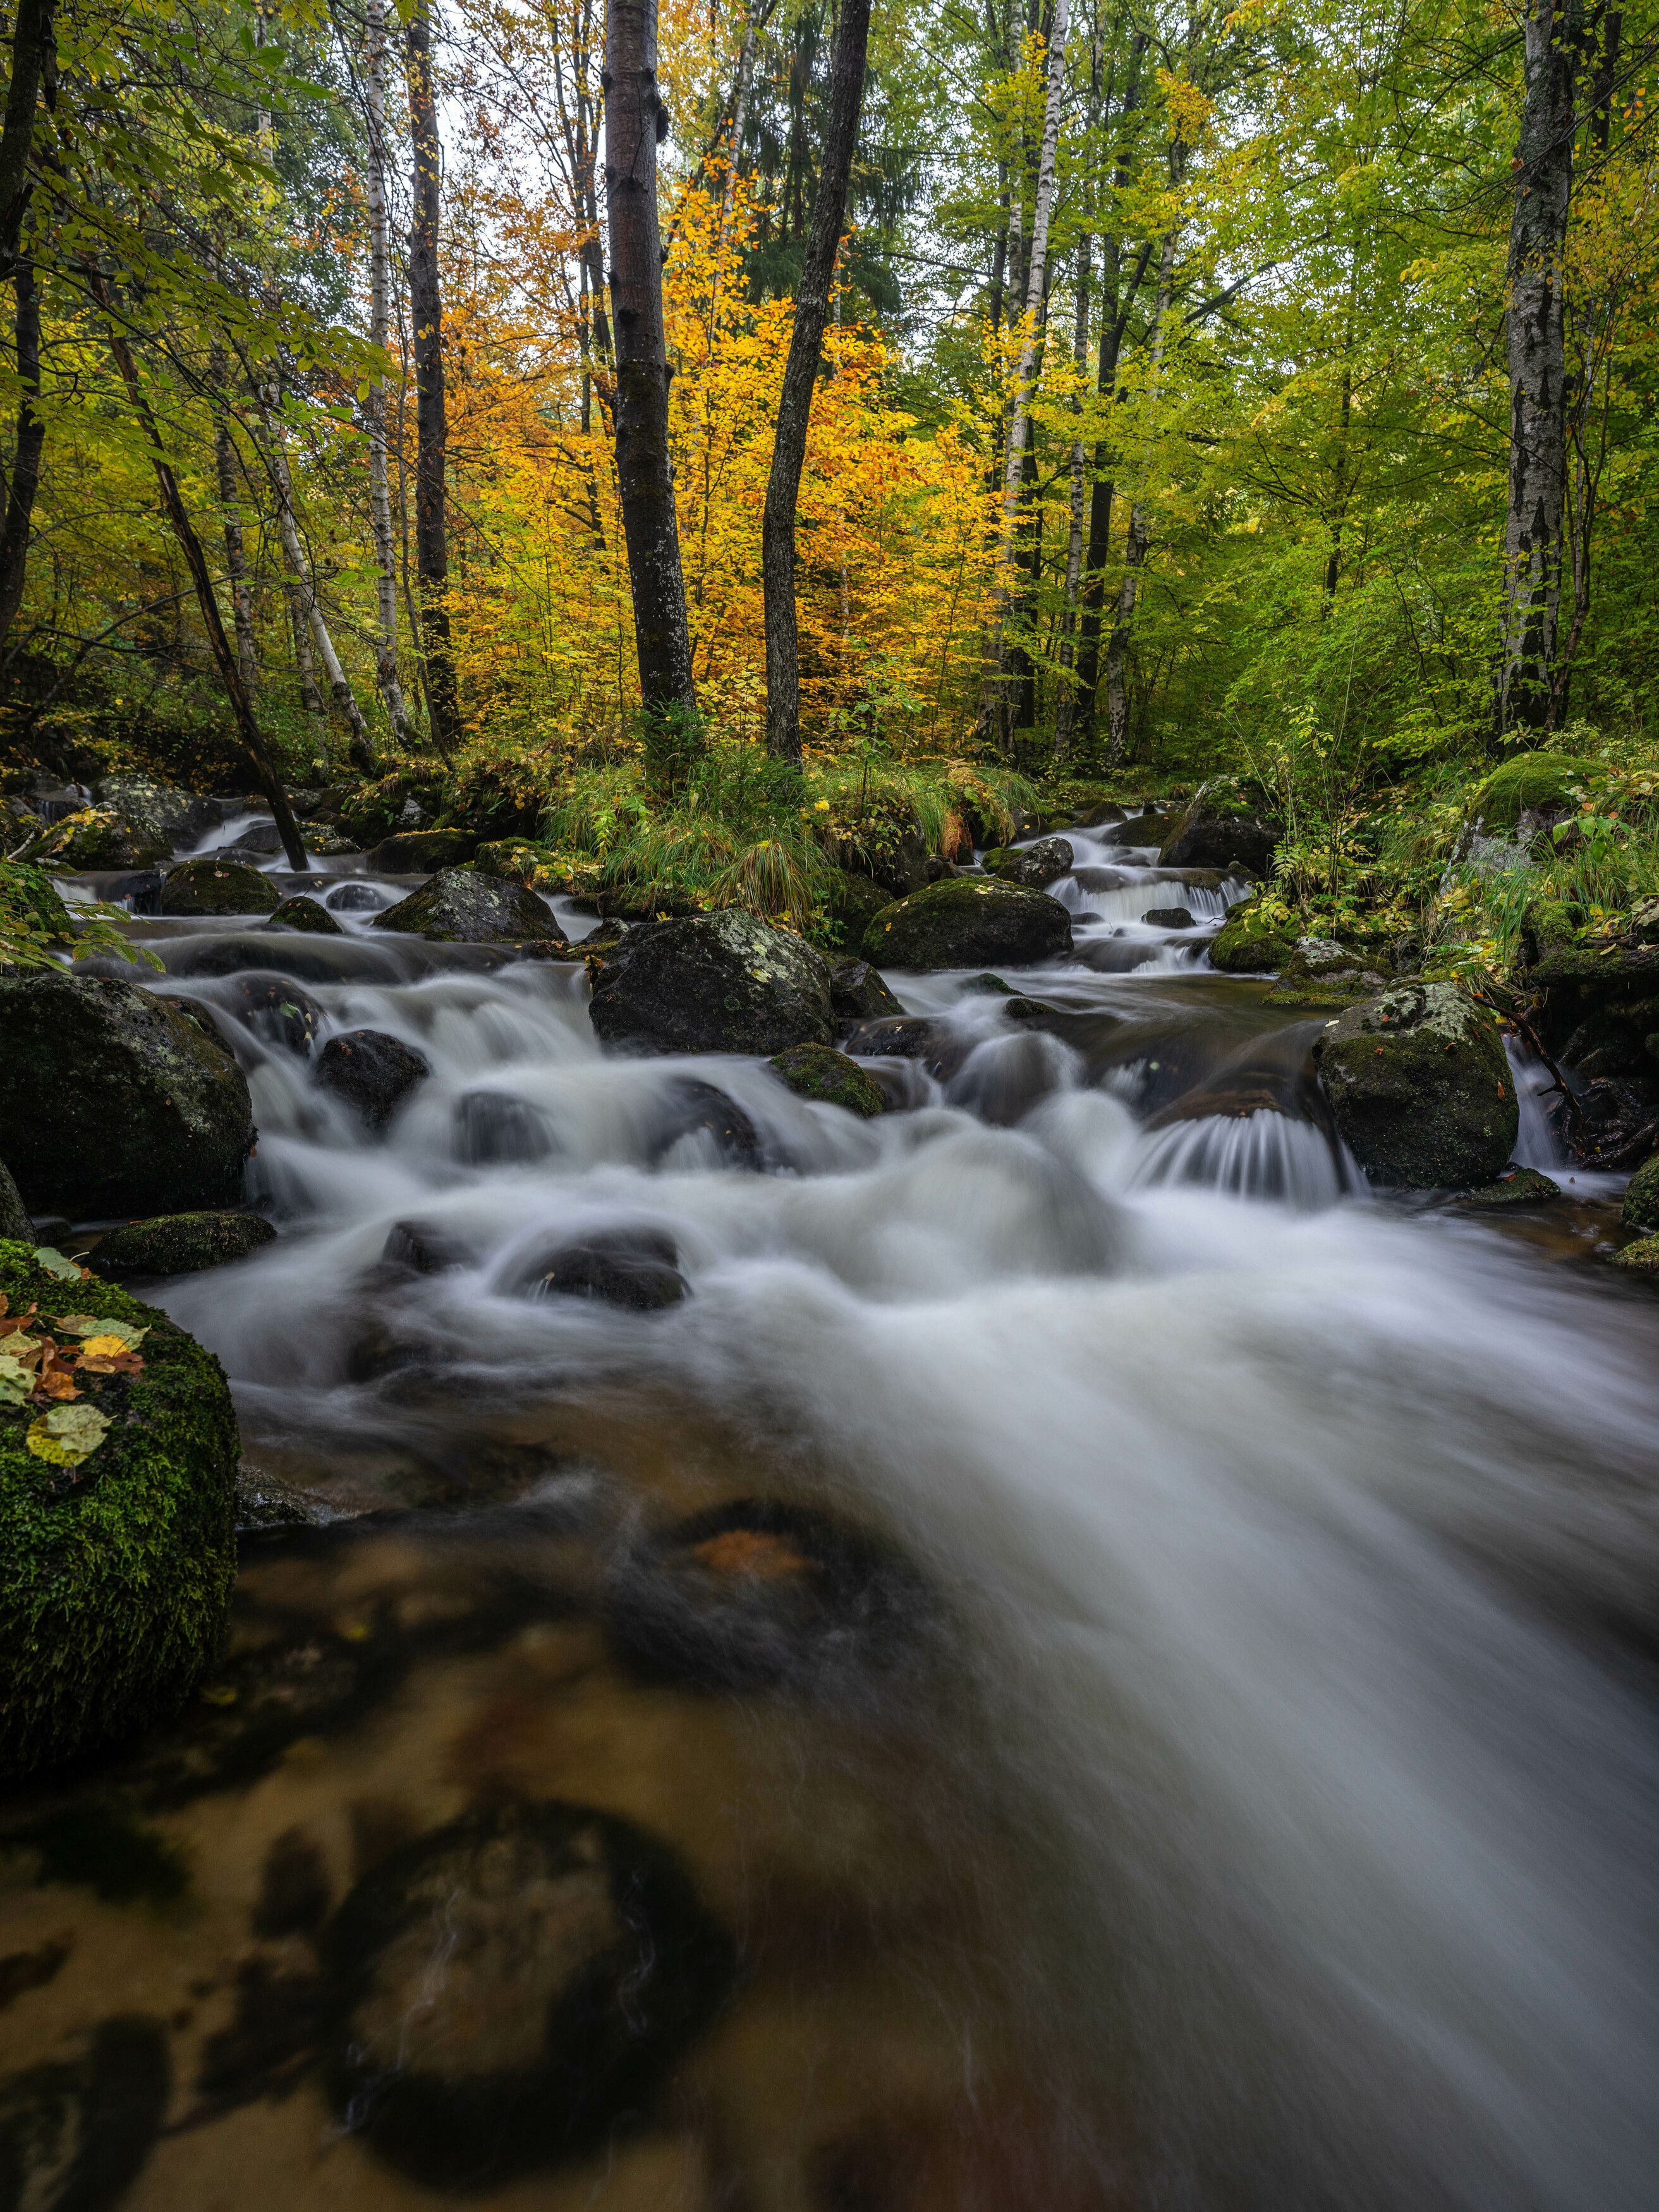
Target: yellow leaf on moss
{"points": [[67, 1435]]}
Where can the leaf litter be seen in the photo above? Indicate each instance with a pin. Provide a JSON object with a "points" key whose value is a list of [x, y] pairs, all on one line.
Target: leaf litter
{"points": [[37, 1369]]}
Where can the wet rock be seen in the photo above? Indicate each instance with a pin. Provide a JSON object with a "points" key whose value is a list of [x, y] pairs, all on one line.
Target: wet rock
{"points": [[1641, 1207], [715, 982], [1419, 1087], [1618, 1121], [970, 921], [305, 914], [115, 1573], [1209, 835], [817, 1072], [1036, 866], [355, 898], [181, 1244], [1003, 1078], [461, 906], [524, 860], [1255, 939], [98, 837], [900, 1036], [1522, 1187], [14, 1221], [692, 1108], [113, 1104], [328, 844], [854, 901], [423, 852], [373, 1072], [1641, 1258], [216, 884], [634, 1268], [1167, 917], [987, 987], [307, 959], [857, 991], [421, 1248], [172, 816], [74, 2132], [494, 1129], [503, 1992], [276, 1009], [1320, 972], [139, 888], [263, 840]]}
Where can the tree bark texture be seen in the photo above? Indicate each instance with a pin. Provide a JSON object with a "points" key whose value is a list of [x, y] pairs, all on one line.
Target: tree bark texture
{"points": [[993, 702], [634, 119], [1066, 705], [379, 325], [1536, 331], [799, 377], [33, 64], [1139, 535], [26, 453], [230, 510], [431, 419]]}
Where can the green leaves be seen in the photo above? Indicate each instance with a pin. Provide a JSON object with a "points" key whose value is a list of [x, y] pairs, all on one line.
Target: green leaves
{"points": [[67, 1434]]}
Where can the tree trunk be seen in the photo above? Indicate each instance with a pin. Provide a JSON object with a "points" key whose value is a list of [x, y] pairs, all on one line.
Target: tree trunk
{"points": [[799, 376], [379, 322], [34, 65], [1065, 706], [993, 702], [1139, 533], [311, 699], [224, 659], [431, 424], [634, 119], [1537, 370], [26, 453], [241, 599]]}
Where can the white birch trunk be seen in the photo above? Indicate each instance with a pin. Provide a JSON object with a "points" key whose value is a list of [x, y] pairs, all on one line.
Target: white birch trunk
{"points": [[380, 268]]}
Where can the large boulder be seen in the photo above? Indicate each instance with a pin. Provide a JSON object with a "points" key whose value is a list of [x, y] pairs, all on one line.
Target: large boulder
{"points": [[182, 1243], [713, 982], [98, 837], [112, 1103], [1035, 866], [1212, 832], [972, 922], [857, 993], [1540, 785], [1256, 938], [1320, 972], [14, 1214], [1419, 1087], [422, 852], [1641, 1206], [463, 906], [117, 1544], [372, 1073], [851, 903], [161, 811], [211, 883]]}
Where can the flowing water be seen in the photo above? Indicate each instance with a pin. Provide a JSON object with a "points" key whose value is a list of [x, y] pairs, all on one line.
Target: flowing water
{"points": [[1137, 1652]]}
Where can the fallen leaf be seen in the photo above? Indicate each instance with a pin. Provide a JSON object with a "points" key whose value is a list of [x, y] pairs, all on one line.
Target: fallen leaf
{"points": [[67, 1435], [100, 1335], [15, 1384], [53, 1261], [10, 1326], [119, 1362]]}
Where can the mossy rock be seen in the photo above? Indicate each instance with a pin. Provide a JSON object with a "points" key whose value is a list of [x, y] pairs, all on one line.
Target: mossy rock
{"points": [[1641, 1206], [115, 1574], [852, 904], [1641, 1258], [818, 1072], [1526, 1187], [1210, 833], [112, 1103], [1255, 939], [1531, 783], [98, 837], [712, 982], [523, 861], [463, 906], [163, 812], [968, 921], [14, 1214], [857, 993], [182, 1243], [1035, 866], [1419, 1087], [212, 884], [309, 915], [1320, 972], [423, 852]]}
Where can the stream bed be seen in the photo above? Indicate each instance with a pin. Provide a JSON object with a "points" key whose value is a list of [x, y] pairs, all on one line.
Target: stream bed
{"points": [[1090, 1662]]}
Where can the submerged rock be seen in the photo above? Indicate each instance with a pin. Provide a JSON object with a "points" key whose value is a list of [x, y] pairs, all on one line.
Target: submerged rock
{"points": [[112, 1103], [276, 1009], [817, 1072], [692, 1108], [493, 1128], [635, 1268], [115, 1571], [713, 982], [970, 921], [462, 906], [305, 914], [213, 885], [373, 1072], [1167, 917], [857, 993], [182, 1243], [1252, 941], [1036, 866], [1419, 1087], [1525, 1187]]}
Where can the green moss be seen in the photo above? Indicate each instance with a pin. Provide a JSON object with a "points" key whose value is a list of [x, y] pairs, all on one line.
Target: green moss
{"points": [[816, 1070], [968, 921], [1641, 1258], [99, 837], [213, 884], [114, 1592], [1641, 1206], [1526, 1187], [1528, 784], [182, 1243], [308, 914], [1257, 938], [1419, 1087]]}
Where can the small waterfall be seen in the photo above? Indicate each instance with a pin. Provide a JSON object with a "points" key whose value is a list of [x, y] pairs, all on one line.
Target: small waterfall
{"points": [[1263, 1154]]}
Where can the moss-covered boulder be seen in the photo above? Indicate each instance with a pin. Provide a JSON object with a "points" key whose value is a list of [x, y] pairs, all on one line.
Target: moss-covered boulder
{"points": [[211, 883], [968, 921], [1521, 1187], [1641, 1206], [1257, 938], [98, 837], [1036, 866], [307, 914], [14, 1221], [1419, 1087], [163, 812], [1531, 783], [115, 1568], [851, 903], [182, 1243], [713, 982], [463, 906], [1641, 1258], [816, 1071], [112, 1103], [524, 860], [423, 852], [1212, 831], [1320, 972]]}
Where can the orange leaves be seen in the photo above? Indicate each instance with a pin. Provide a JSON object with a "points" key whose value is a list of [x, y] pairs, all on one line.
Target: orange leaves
{"points": [[37, 1368]]}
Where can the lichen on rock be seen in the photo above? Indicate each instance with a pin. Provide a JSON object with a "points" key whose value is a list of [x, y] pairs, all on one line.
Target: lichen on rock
{"points": [[968, 921], [1419, 1087]]}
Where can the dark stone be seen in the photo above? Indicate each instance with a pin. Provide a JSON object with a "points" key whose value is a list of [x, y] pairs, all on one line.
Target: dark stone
{"points": [[636, 1268], [264, 840], [900, 1036], [972, 922], [139, 889], [713, 982], [75, 2132], [818, 1072], [1419, 1087], [113, 1104], [423, 852], [213, 885], [460, 906], [14, 1221], [355, 898], [421, 1248], [181, 1244], [1167, 917], [1035, 866], [1209, 836], [494, 1129], [305, 914], [276, 1009], [857, 993], [852, 902], [98, 837], [1522, 1187], [986, 987], [693, 1107], [373, 1072]]}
